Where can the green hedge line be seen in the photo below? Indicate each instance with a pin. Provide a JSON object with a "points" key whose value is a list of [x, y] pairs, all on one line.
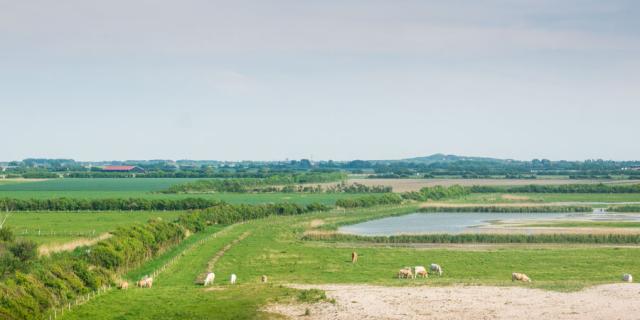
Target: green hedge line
{"points": [[130, 204], [567, 188], [437, 193], [369, 201], [482, 238], [514, 209], [624, 208], [255, 184]]}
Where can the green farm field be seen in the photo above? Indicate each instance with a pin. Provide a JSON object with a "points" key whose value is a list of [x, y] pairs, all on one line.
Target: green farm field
{"points": [[96, 184], [57, 227], [274, 248], [148, 188]]}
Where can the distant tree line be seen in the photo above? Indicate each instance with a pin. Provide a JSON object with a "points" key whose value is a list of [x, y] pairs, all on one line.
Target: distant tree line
{"points": [[437, 166]]}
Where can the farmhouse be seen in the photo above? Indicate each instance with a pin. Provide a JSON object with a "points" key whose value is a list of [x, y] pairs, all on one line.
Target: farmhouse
{"points": [[122, 169]]}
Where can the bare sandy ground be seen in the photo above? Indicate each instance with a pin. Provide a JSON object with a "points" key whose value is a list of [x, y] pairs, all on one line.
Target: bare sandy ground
{"points": [[612, 301], [47, 249]]}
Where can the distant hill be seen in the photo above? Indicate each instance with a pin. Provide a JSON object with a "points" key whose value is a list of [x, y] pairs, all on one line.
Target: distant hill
{"points": [[439, 157]]}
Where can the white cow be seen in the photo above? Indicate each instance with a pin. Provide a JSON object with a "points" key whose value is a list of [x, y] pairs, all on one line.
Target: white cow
{"points": [[420, 271], [627, 277], [436, 268], [520, 277], [233, 279], [209, 279]]}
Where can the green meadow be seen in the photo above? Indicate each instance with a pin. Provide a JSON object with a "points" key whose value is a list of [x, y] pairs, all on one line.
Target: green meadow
{"points": [[274, 248]]}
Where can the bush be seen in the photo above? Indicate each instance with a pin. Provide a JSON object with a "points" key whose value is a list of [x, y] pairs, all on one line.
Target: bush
{"points": [[370, 201], [24, 250]]}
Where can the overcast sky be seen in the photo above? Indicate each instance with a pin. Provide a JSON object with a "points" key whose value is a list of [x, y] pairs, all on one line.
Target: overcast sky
{"points": [[269, 80]]}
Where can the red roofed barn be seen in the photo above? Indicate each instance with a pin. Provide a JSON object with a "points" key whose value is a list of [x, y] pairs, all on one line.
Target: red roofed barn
{"points": [[122, 169]]}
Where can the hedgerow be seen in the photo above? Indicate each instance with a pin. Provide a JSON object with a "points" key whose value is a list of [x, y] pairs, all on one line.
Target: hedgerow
{"points": [[481, 238]]}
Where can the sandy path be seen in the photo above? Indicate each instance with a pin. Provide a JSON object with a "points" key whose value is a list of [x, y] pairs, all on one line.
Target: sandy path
{"points": [[612, 301]]}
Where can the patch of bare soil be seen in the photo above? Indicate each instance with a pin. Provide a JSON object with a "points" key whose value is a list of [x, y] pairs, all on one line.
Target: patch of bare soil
{"points": [[513, 197], [316, 223], [612, 301], [47, 249]]}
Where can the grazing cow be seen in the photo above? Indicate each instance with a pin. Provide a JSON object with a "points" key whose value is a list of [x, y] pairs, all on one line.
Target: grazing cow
{"points": [[354, 257], [124, 285], [627, 277], [405, 273], [436, 268], [420, 271], [520, 277], [209, 278], [264, 279], [233, 279]]}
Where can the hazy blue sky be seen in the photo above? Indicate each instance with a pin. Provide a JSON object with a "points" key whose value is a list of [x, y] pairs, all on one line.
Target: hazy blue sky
{"points": [[267, 80]]}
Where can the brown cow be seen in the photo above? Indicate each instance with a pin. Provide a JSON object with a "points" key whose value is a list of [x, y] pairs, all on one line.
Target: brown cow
{"points": [[354, 257], [405, 273]]}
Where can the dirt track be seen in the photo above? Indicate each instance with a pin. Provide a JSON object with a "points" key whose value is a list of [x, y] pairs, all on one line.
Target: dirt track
{"points": [[612, 301]]}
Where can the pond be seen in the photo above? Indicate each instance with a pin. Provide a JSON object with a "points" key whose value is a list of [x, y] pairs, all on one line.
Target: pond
{"points": [[416, 223]]}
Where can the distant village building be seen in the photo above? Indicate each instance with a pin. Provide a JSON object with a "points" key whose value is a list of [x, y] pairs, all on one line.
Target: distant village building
{"points": [[132, 169], [632, 168]]}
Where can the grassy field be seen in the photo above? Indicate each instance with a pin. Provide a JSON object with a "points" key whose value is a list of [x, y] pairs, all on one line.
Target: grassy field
{"points": [[97, 184], [147, 188], [274, 248], [57, 227]]}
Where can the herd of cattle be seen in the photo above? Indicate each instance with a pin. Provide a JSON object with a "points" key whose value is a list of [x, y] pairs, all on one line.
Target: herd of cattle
{"points": [[404, 273], [419, 271]]}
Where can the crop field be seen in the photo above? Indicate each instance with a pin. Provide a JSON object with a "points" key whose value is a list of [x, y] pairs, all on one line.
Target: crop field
{"points": [[57, 227], [105, 188], [96, 184], [274, 248]]}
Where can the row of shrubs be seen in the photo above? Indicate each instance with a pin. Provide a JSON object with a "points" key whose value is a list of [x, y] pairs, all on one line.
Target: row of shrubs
{"points": [[437, 193], [116, 204], [514, 209], [567, 188], [30, 288], [481, 238], [243, 185], [370, 201], [624, 208], [425, 194]]}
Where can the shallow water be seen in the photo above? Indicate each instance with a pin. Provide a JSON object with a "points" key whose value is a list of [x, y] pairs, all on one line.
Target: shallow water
{"points": [[416, 223]]}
